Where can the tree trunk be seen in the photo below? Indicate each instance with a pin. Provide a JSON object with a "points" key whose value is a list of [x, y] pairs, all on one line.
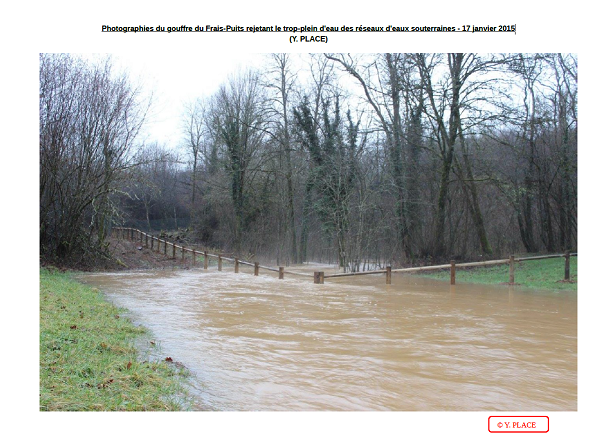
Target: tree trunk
{"points": [[472, 196]]}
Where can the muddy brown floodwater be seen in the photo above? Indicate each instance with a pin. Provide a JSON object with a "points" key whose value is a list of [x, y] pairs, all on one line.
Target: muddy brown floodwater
{"points": [[264, 344]]}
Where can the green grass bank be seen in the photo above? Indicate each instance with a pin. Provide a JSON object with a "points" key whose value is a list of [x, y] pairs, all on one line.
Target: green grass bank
{"points": [[90, 358], [535, 274]]}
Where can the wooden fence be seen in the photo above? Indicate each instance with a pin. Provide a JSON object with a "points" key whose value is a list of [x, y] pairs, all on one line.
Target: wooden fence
{"points": [[511, 261], [169, 249], [151, 241]]}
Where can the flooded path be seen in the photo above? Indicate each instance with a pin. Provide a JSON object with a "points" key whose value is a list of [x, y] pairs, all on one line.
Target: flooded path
{"points": [[262, 344]]}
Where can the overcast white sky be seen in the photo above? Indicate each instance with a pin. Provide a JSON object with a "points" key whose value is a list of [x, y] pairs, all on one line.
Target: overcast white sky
{"points": [[177, 78]]}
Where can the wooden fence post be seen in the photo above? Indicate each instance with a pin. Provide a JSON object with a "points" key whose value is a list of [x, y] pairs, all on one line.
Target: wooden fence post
{"points": [[158, 245], [173, 251], [388, 273], [182, 254], [256, 268], [205, 260], [281, 272], [141, 237], [319, 277], [194, 260], [567, 265], [220, 265], [165, 247], [511, 279], [236, 265], [452, 272]]}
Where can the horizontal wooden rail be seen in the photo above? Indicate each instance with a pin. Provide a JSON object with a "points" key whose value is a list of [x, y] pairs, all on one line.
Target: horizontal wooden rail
{"points": [[319, 277], [483, 263], [421, 268], [542, 257], [447, 266], [246, 263], [297, 273], [367, 272], [268, 268], [121, 232], [453, 266]]}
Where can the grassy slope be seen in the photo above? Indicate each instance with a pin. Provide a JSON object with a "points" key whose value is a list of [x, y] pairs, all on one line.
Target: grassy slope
{"points": [[88, 360], [538, 274]]}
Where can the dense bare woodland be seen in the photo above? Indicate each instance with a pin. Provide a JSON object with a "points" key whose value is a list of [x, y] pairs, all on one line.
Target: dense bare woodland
{"points": [[362, 160]]}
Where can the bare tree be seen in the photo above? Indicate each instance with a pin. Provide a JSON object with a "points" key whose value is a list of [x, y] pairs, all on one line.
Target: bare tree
{"points": [[413, 174], [149, 184], [448, 98], [194, 127], [564, 102], [90, 117], [386, 81], [333, 154], [281, 81], [238, 120]]}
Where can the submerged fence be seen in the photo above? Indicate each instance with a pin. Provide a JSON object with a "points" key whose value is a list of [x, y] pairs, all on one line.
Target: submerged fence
{"points": [[169, 249], [319, 277]]}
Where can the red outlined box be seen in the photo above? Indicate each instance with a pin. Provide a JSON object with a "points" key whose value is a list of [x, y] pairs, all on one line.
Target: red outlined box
{"points": [[518, 424]]}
